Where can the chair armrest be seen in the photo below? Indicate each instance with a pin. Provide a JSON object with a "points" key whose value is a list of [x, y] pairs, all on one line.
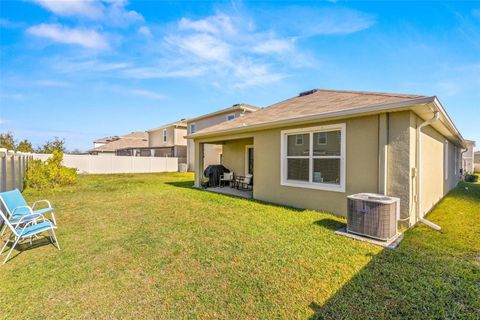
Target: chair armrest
{"points": [[30, 218], [29, 209], [39, 201]]}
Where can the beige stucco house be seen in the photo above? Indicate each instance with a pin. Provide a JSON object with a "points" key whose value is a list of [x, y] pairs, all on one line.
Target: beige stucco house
{"points": [[169, 140], [468, 157], [476, 161], [117, 145], [313, 150], [212, 153]]}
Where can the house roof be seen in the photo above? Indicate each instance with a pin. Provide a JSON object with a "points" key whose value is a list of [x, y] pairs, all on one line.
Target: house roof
{"points": [[177, 124], [310, 103], [320, 104], [131, 140], [236, 107], [106, 139], [470, 142]]}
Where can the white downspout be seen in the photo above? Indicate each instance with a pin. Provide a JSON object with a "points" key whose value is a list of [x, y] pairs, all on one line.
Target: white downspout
{"points": [[435, 117]]}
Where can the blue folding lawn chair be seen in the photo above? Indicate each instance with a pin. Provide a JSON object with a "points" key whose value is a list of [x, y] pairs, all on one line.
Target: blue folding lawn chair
{"points": [[17, 208], [27, 226]]}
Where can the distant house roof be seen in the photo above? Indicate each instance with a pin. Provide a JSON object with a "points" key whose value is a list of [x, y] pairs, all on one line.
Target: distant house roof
{"points": [[320, 104], [107, 139], [234, 108], [177, 124], [131, 140], [470, 142]]}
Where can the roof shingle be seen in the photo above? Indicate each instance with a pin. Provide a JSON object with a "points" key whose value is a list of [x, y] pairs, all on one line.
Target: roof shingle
{"points": [[317, 102]]}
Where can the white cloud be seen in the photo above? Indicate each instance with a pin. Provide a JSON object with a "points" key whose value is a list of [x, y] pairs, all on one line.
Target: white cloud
{"points": [[307, 22], [68, 8], [145, 31], [72, 66], [274, 46], [251, 74], [110, 12], [146, 94], [86, 38], [52, 83], [227, 50], [160, 71], [202, 45], [220, 23]]}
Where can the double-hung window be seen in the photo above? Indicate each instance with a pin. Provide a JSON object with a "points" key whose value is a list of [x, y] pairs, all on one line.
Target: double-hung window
{"points": [[164, 135], [314, 157]]}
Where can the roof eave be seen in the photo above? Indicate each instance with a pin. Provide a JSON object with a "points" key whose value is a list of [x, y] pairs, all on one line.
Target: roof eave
{"points": [[335, 114], [449, 123]]}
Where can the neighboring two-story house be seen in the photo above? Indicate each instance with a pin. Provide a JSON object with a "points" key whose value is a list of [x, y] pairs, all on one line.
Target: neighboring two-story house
{"points": [[169, 141], [212, 152], [468, 157]]}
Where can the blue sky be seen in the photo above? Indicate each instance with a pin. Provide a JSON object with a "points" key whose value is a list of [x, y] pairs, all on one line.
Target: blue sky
{"points": [[91, 68]]}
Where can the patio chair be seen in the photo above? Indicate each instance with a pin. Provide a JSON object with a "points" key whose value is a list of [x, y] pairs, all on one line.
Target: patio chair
{"points": [[17, 207], [226, 177], [27, 226], [246, 182]]}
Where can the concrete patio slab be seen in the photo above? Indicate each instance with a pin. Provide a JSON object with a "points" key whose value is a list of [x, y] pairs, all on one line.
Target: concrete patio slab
{"points": [[248, 194]]}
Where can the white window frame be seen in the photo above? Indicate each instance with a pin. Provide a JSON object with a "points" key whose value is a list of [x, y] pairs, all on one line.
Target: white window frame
{"points": [[446, 160], [164, 136], [310, 184], [296, 140], [248, 146], [326, 140], [194, 125], [230, 115]]}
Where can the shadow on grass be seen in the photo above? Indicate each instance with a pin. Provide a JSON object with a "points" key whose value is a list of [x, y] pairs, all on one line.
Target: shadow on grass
{"points": [[182, 184], [189, 185], [329, 224], [415, 281], [26, 246], [406, 284]]}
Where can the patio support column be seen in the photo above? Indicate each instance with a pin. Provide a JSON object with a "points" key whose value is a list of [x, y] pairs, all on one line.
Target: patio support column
{"points": [[199, 155]]}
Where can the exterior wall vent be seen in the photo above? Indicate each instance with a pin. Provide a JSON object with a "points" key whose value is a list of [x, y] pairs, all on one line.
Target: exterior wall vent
{"points": [[373, 215]]}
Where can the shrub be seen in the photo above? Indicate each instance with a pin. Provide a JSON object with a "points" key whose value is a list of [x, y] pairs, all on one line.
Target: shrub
{"points": [[50, 174], [471, 178]]}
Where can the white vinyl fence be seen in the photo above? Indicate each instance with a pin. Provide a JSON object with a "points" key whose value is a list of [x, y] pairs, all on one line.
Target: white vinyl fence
{"points": [[115, 164], [13, 167]]}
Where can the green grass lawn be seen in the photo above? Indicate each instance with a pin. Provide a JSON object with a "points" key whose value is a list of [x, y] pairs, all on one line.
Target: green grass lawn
{"points": [[149, 246]]}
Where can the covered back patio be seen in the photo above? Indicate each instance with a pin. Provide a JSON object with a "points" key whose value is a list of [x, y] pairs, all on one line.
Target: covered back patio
{"points": [[237, 158]]}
